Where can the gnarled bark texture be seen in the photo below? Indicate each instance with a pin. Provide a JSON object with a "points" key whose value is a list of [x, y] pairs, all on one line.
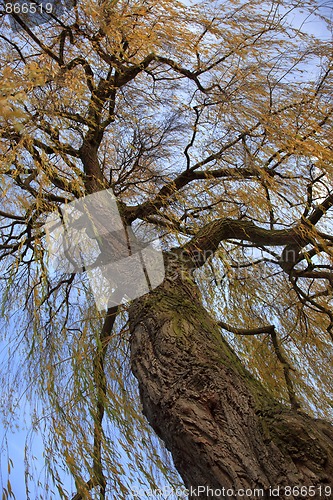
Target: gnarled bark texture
{"points": [[223, 428]]}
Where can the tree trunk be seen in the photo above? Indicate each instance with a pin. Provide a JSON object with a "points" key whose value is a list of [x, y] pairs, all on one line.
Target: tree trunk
{"points": [[223, 429]]}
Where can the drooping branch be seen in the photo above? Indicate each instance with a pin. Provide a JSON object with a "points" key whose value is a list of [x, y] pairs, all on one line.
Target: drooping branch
{"points": [[311, 303], [287, 368], [291, 253], [98, 479]]}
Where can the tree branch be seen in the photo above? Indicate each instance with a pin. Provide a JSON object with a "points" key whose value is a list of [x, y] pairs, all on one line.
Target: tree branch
{"points": [[207, 240], [101, 388], [270, 329], [247, 331]]}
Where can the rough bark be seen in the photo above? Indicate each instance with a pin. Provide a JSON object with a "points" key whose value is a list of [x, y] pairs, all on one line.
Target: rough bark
{"points": [[223, 428]]}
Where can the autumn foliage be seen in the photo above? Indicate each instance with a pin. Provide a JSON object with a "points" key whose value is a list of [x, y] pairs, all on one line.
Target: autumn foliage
{"points": [[212, 121]]}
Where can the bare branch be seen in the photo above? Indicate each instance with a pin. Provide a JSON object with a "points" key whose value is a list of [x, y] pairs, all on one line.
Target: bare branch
{"points": [[287, 368]]}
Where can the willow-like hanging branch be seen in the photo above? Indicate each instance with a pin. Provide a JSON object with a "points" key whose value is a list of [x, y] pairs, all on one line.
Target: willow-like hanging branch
{"points": [[287, 368]]}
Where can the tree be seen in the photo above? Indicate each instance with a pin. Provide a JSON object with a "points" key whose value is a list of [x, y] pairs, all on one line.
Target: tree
{"points": [[214, 123]]}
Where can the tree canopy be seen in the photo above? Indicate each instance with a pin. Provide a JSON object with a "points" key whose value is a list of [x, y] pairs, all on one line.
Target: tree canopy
{"points": [[212, 121]]}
